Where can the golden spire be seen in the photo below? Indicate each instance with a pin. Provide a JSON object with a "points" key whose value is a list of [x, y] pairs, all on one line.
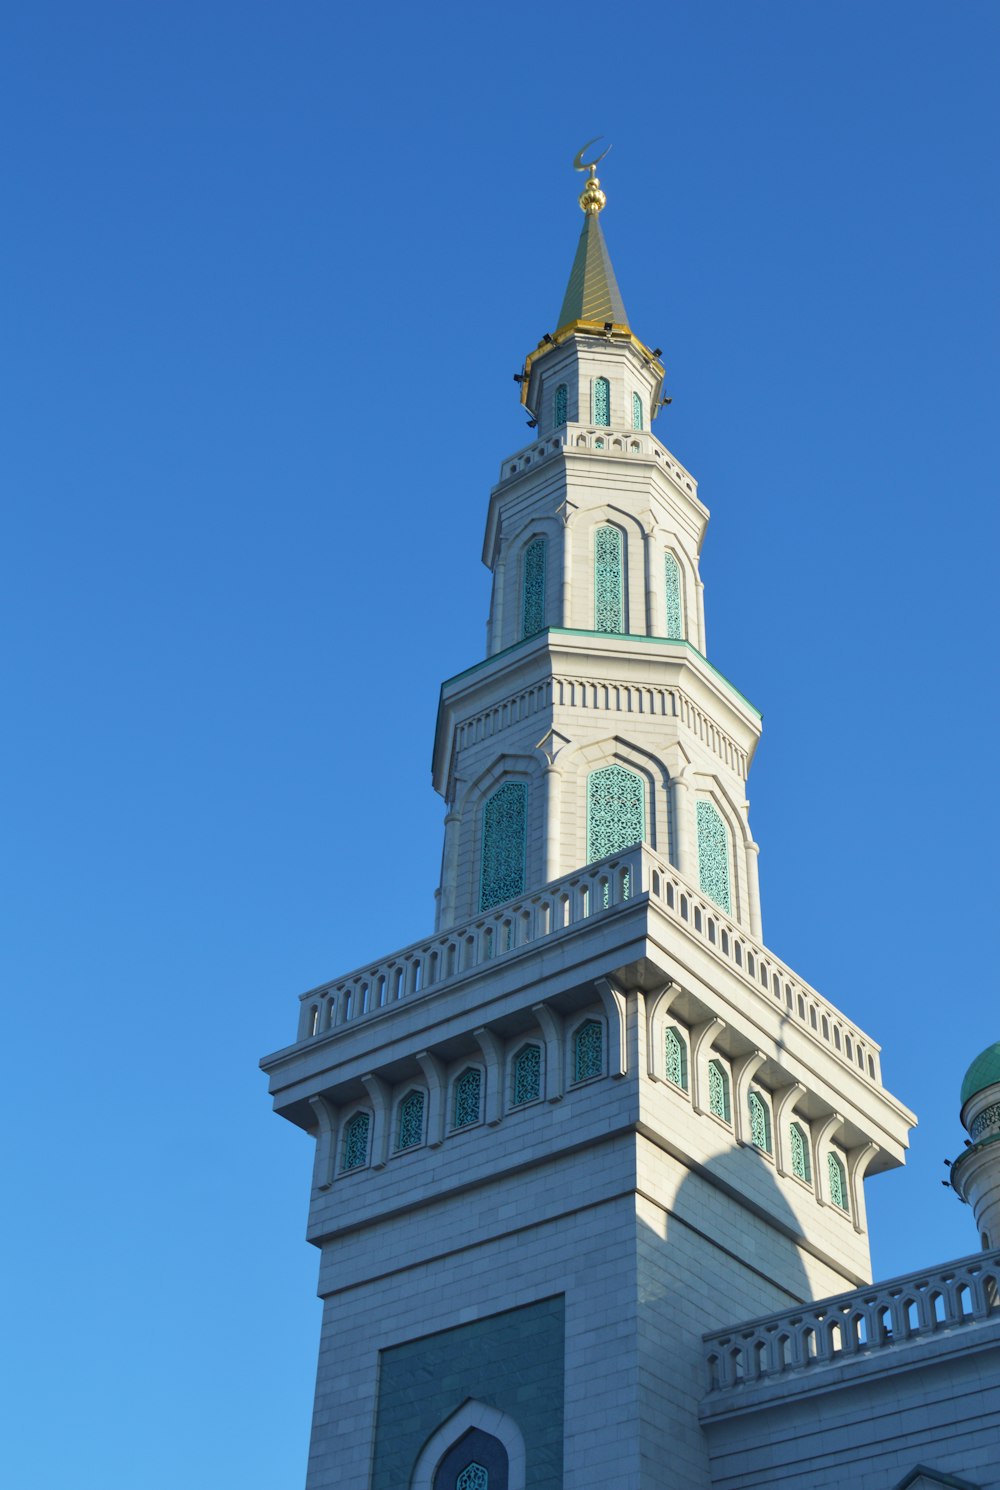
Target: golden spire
{"points": [[592, 198]]}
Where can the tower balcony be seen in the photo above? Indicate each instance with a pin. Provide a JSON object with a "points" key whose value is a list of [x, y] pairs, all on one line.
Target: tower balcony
{"points": [[765, 1358], [590, 897], [631, 918]]}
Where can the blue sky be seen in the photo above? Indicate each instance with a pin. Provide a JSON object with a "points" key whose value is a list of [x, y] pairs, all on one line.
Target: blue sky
{"points": [[266, 274]]}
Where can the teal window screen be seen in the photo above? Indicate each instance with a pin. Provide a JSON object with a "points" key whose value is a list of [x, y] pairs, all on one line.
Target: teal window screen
{"points": [[616, 811], [410, 1121], [533, 588], [798, 1145], [526, 1075], [838, 1182], [760, 1122], [713, 854], [718, 1091], [636, 411], [561, 405], [609, 581], [468, 1094], [675, 1058], [602, 401], [473, 1477], [505, 817], [672, 596], [588, 1051], [354, 1151]]}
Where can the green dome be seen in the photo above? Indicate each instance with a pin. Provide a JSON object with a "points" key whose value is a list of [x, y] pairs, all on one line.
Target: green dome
{"points": [[984, 1072]]}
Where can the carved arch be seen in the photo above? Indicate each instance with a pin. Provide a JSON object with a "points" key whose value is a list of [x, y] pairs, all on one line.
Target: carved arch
{"points": [[472, 1414], [579, 761]]}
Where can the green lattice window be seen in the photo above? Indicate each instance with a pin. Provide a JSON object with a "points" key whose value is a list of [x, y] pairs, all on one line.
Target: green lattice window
{"points": [[636, 411], [561, 405], [760, 1122], [588, 1051], [798, 1146], [609, 576], [837, 1177], [718, 1091], [526, 1075], [354, 1148], [616, 811], [467, 1098], [602, 401], [533, 588], [675, 1062], [473, 1477], [713, 854], [672, 596], [410, 1121], [505, 816]]}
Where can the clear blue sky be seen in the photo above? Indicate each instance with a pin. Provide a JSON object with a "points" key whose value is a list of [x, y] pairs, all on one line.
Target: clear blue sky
{"points": [[266, 273]]}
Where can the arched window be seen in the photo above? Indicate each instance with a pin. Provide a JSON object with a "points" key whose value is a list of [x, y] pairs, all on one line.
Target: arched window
{"points": [[713, 854], [505, 816], [838, 1182], [616, 811], [672, 596], [636, 411], [410, 1121], [478, 1461], [588, 1051], [798, 1145], [609, 588], [354, 1147], [467, 1098], [533, 588], [526, 1076], [561, 405], [718, 1091], [602, 401], [760, 1122], [675, 1057]]}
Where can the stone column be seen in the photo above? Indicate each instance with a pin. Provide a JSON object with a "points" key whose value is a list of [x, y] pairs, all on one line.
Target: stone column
{"points": [[495, 623], [753, 890], [656, 624], [680, 807], [447, 911], [551, 796], [566, 591]]}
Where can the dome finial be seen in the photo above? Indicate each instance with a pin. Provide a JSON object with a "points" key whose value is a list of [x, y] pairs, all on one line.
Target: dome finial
{"points": [[592, 198]]}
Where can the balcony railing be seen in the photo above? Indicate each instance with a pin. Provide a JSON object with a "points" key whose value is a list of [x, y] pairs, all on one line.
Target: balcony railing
{"points": [[854, 1324], [595, 891], [494, 934]]}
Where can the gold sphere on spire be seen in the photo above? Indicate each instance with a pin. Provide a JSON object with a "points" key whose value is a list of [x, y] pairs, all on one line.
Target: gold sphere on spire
{"points": [[592, 198]]}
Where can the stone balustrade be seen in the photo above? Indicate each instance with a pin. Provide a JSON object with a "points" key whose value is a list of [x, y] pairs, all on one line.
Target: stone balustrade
{"points": [[761, 968], [597, 890], [881, 1317], [603, 441], [453, 954]]}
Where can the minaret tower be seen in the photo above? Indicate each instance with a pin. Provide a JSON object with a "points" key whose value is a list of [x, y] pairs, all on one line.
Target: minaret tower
{"points": [[591, 1116]]}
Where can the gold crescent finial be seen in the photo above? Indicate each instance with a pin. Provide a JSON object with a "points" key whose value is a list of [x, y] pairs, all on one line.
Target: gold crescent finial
{"points": [[592, 198]]}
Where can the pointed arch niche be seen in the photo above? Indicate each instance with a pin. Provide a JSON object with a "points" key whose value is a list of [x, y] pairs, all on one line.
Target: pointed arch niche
{"points": [[616, 811], [714, 854], [600, 815], [609, 580], [504, 844], [475, 1434]]}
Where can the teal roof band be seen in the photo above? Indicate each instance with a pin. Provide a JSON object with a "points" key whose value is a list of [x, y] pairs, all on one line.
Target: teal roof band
{"points": [[661, 641]]}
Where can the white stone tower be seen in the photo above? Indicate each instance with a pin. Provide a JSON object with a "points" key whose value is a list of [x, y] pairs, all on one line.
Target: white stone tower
{"points": [[975, 1174], [590, 1117]]}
